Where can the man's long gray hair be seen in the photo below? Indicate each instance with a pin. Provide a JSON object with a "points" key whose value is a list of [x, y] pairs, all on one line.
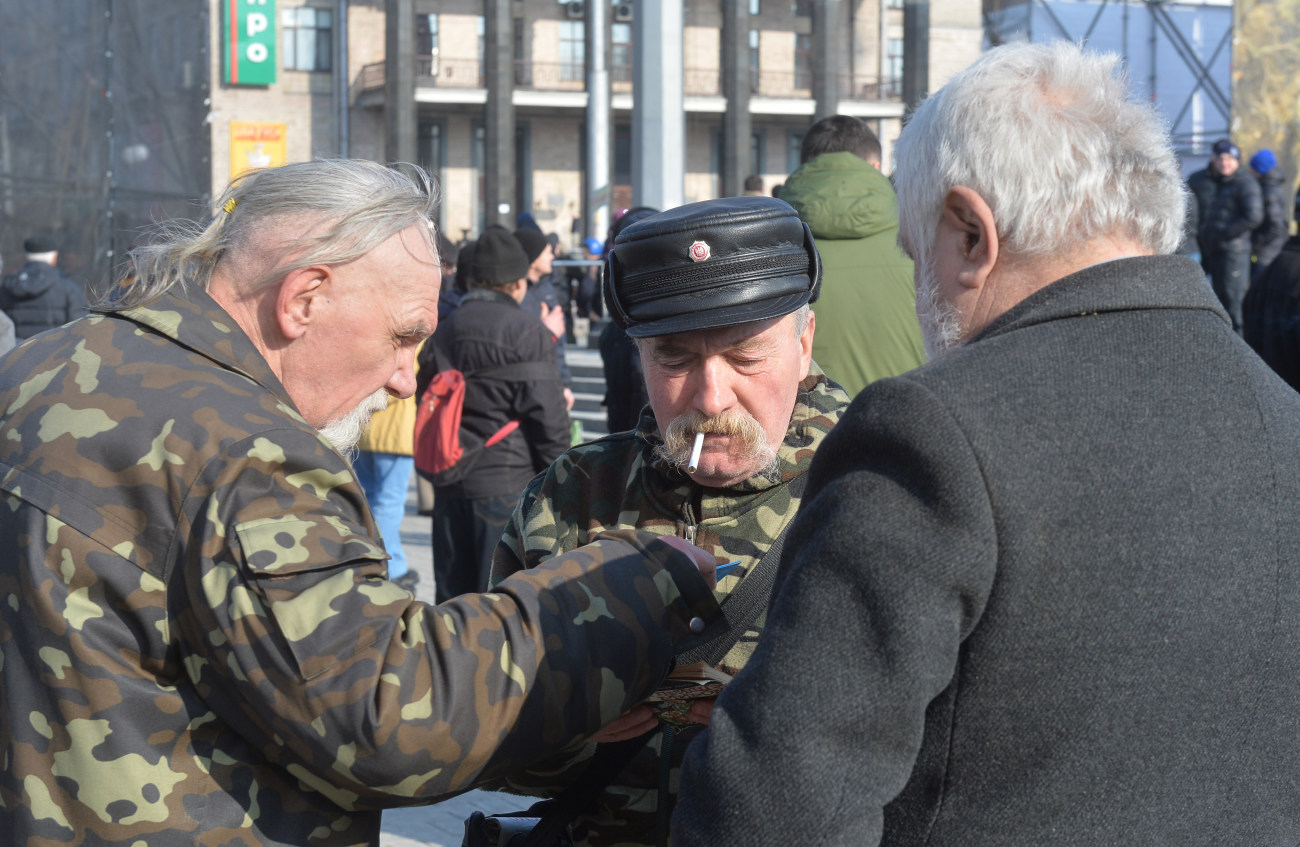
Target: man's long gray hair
{"points": [[327, 212], [1047, 135]]}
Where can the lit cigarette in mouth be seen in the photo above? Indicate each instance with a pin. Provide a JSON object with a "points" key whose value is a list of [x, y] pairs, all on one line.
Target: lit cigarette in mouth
{"points": [[694, 463]]}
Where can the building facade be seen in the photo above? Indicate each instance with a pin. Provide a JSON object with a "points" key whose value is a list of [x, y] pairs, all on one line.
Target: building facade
{"points": [[434, 84]]}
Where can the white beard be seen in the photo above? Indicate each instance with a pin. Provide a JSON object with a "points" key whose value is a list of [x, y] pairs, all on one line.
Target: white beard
{"points": [[940, 321], [345, 432]]}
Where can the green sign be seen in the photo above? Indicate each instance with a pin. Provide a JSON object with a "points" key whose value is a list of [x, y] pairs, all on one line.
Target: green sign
{"points": [[249, 48]]}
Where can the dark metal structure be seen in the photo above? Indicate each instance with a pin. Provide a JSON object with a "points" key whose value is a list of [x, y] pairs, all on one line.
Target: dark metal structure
{"points": [[103, 125], [1178, 54]]}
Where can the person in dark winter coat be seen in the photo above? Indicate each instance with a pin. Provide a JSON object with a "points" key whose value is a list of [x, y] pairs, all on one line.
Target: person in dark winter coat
{"points": [[1044, 589], [1271, 314], [542, 299], [489, 329], [38, 296], [1267, 239], [1235, 210], [625, 389]]}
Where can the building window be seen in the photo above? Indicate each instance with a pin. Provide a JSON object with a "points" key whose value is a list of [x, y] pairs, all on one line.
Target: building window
{"points": [[622, 154], [307, 36], [523, 68], [432, 154], [478, 190], [573, 51], [426, 45], [793, 151], [802, 61], [893, 4], [755, 7], [482, 42], [894, 60], [754, 65], [621, 53], [757, 160]]}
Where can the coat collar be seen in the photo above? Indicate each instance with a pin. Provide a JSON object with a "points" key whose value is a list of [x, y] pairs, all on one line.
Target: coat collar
{"points": [[1142, 282], [194, 320]]}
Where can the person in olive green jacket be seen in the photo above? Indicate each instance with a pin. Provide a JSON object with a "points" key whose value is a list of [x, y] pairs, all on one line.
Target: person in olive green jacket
{"points": [[866, 319]]}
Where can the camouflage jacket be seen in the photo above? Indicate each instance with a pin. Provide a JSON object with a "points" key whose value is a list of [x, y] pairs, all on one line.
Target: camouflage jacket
{"points": [[197, 640], [617, 483]]}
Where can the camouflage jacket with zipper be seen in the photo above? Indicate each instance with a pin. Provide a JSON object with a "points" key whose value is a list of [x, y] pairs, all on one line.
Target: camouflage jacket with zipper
{"points": [[616, 482], [198, 645]]}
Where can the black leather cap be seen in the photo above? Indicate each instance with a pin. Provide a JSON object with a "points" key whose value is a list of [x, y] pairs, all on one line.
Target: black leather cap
{"points": [[711, 264]]}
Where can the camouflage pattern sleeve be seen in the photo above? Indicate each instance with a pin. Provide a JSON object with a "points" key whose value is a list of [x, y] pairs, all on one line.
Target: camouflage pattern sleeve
{"points": [[197, 642], [366, 696]]}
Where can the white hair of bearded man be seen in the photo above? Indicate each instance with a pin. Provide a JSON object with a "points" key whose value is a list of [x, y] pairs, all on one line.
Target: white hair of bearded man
{"points": [[1095, 164], [345, 432], [940, 321]]}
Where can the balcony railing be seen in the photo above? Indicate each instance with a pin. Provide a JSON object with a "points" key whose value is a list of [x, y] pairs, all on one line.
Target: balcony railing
{"points": [[698, 82], [444, 73], [860, 87], [449, 73], [551, 76], [702, 82]]}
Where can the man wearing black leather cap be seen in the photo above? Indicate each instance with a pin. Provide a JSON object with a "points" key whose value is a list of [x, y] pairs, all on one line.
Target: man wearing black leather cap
{"points": [[716, 296]]}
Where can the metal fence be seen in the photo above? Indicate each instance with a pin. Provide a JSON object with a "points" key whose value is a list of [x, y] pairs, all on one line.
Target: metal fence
{"points": [[102, 125]]}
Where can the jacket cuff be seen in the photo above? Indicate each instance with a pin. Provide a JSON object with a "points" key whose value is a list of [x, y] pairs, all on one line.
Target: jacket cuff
{"points": [[696, 616]]}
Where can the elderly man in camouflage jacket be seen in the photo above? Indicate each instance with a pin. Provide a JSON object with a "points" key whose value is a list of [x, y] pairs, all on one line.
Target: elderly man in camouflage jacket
{"points": [[198, 641], [716, 295]]}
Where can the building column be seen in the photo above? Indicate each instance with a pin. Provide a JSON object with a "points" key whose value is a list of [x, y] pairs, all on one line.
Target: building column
{"points": [[737, 125], [825, 58], [658, 111], [399, 81], [600, 132], [499, 117], [916, 53]]}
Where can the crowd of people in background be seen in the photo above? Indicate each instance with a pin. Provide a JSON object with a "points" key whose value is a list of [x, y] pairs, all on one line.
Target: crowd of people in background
{"points": [[963, 474]]}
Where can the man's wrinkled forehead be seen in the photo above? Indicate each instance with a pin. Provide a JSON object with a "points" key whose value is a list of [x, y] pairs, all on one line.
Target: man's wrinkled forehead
{"points": [[751, 335]]}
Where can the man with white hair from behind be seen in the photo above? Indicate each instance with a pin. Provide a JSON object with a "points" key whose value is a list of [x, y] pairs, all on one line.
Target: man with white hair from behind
{"points": [[1043, 589]]}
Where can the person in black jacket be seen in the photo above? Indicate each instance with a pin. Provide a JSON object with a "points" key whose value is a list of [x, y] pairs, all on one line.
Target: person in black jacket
{"points": [[1235, 210], [1271, 314], [1044, 589], [1267, 239], [490, 330], [38, 296]]}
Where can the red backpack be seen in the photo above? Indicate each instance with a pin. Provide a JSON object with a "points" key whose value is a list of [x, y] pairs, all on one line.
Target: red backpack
{"points": [[444, 452]]}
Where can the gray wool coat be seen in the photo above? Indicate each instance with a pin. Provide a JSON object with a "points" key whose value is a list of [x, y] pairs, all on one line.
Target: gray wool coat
{"points": [[1042, 591]]}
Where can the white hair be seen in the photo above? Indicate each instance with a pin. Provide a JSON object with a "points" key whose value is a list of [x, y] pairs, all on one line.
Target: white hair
{"points": [[1046, 134], [326, 211]]}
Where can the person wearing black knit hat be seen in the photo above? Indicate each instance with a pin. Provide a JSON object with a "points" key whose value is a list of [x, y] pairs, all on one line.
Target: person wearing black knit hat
{"points": [[715, 296], [520, 403], [542, 299], [1235, 208], [38, 296]]}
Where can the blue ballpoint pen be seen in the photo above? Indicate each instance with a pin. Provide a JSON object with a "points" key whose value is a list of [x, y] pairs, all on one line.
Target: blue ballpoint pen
{"points": [[724, 569]]}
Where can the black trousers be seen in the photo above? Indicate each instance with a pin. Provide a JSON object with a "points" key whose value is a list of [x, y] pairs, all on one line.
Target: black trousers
{"points": [[1230, 277], [465, 533]]}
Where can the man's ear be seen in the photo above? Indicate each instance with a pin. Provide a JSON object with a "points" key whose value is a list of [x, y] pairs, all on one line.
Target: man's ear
{"points": [[298, 299], [967, 213], [805, 344]]}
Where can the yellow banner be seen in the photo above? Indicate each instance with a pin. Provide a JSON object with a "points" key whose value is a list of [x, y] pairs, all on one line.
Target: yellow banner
{"points": [[256, 145]]}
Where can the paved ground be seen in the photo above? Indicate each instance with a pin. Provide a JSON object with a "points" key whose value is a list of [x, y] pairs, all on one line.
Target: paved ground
{"points": [[439, 825]]}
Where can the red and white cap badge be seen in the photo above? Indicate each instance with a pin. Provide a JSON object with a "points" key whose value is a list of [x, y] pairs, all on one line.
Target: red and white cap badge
{"points": [[700, 251]]}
